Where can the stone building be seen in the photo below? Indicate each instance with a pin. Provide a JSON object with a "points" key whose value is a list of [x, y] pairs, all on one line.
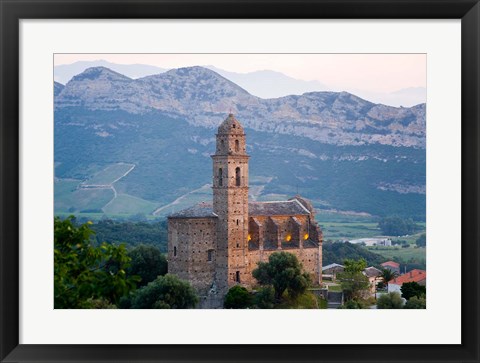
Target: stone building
{"points": [[217, 245]]}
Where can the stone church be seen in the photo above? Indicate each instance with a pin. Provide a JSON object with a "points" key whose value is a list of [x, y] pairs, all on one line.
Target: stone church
{"points": [[217, 245]]}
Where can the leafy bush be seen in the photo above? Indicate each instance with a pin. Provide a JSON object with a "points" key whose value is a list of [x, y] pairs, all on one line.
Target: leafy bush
{"points": [[147, 262], [87, 276], [166, 292], [238, 297], [411, 289], [284, 272], [416, 303], [392, 300]]}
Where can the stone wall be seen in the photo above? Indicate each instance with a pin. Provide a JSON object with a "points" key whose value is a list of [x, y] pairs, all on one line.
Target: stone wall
{"points": [[310, 258], [192, 252]]}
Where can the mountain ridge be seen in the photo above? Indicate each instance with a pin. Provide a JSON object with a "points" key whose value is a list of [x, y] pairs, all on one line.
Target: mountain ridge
{"points": [[203, 97]]}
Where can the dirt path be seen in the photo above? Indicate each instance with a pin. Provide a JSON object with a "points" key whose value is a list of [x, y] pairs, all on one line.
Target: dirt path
{"points": [[176, 201]]}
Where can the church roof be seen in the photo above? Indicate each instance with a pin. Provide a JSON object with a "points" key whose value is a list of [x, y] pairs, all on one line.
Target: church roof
{"points": [[279, 208], [201, 210], [230, 126]]}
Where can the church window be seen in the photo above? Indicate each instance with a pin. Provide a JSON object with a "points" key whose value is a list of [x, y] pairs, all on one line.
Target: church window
{"points": [[174, 251], [220, 177], [237, 146], [237, 276], [237, 177], [237, 222]]}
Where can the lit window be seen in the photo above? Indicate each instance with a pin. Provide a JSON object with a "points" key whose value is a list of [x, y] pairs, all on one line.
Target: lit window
{"points": [[288, 238], [305, 236]]}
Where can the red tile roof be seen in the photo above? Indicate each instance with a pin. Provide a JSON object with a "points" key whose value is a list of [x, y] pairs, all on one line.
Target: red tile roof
{"points": [[391, 263], [412, 276]]}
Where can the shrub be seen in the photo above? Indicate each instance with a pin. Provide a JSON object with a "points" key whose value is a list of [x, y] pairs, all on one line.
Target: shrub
{"points": [[238, 297]]}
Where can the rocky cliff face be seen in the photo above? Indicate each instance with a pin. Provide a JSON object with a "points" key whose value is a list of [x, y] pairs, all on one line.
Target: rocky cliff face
{"points": [[203, 98]]}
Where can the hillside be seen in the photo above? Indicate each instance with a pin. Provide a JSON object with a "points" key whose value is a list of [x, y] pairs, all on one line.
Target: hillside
{"points": [[149, 142]]}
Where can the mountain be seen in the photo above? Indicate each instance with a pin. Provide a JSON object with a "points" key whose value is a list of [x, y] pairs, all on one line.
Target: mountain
{"points": [[405, 97], [203, 97], [125, 146], [57, 88], [270, 84], [65, 72]]}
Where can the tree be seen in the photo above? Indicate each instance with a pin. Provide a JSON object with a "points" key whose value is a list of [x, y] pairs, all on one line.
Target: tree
{"points": [[422, 240], [237, 297], [416, 302], [166, 292], [397, 226], [147, 262], [265, 298], [388, 275], [411, 289], [354, 283], [392, 300], [353, 304], [351, 265], [284, 273], [87, 276]]}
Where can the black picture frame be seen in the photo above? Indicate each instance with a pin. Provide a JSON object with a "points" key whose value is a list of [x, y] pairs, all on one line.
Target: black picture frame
{"points": [[13, 10]]}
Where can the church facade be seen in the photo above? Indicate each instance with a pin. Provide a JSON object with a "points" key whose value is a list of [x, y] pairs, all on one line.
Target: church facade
{"points": [[217, 245]]}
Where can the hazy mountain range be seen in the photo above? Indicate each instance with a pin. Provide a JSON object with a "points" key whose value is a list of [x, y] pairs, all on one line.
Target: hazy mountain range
{"points": [[203, 97], [126, 146], [263, 83]]}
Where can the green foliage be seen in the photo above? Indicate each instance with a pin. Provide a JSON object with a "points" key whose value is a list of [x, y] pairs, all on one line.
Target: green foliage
{"points": [[392, 300], [416, 302], [354, 304], [265, 298], [411, 289], [422, 240], [238, 297], [87, 276], [397, 226], [355, 285], [354, 266], [147, 262], [388, 275], [133, 233], [284, 273], [166, 292], [336, 252]]}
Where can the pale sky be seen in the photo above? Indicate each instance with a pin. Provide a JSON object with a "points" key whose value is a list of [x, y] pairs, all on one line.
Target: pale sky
{"points": [[369, 72]]}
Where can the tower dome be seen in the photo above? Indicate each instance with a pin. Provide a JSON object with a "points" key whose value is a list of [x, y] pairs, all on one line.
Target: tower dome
{"points": [[230, 126]]}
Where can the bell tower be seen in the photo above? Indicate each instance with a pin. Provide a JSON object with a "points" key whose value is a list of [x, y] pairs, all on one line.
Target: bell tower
{"points": [[230, 203]]}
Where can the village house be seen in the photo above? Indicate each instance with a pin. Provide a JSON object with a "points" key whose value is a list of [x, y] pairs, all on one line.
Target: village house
{"points": [[418, 276], [392, 266]]}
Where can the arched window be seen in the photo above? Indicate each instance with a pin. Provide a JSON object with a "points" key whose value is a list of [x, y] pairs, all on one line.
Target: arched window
{"points": [[174, 251], [237, 176], [237, 146], [220, 177]]}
